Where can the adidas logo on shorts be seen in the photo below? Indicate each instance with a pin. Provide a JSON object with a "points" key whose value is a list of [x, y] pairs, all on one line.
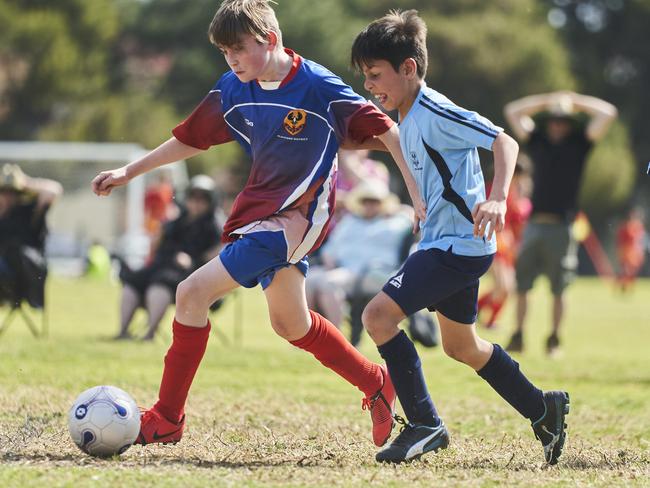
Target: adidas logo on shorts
{"points": [[397, 280]]}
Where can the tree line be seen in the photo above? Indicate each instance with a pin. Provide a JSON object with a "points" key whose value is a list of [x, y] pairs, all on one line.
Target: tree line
{"points": [[129, 70]]}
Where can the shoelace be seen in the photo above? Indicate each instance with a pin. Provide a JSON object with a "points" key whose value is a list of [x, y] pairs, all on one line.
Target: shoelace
{"points": [[405, 437], [368, 403], [406, 432]]}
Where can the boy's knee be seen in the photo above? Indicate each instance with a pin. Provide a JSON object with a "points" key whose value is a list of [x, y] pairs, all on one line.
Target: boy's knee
{"points": [[290, 329], [473, 355], [189, 292], [461, 353], [375, 320]]}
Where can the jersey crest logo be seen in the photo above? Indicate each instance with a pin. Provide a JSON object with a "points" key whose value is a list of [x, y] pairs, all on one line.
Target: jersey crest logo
{"points": [[414, 160], [294, 122]]}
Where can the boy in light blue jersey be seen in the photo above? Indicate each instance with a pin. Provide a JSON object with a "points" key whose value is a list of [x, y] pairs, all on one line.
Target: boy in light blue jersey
{"points": [[439, 141]]}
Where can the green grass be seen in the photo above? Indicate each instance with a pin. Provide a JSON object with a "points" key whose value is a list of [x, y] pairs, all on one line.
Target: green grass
{"points": [[267, 414]]}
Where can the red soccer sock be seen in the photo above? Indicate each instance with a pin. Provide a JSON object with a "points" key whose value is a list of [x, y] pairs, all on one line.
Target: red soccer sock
{"points": [[485, 300], [181, 362], [496, 307], [331, 348]]}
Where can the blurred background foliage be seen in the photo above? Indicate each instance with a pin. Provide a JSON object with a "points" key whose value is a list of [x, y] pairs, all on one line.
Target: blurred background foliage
{"points": [[129, 70]]}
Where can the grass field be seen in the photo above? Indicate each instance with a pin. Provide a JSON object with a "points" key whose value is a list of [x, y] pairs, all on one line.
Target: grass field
{"points": [[266, 414]]}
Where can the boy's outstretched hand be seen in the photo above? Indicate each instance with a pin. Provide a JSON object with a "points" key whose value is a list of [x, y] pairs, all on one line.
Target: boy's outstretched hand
{"points": [[420, 212], [105, 181], [492, 212]]}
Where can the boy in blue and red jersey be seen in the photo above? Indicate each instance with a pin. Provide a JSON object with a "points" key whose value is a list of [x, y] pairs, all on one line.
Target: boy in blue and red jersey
{"points": [[457, 246], [290, 115]]}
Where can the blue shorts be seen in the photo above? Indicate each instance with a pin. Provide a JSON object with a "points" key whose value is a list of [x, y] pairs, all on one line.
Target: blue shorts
{"points": [[254, 258], [439, 280]]}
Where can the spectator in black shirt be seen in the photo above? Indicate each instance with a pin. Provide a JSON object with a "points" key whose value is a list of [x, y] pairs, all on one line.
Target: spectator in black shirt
{"points": [[558, 145], [24, 203], [186, 243]]}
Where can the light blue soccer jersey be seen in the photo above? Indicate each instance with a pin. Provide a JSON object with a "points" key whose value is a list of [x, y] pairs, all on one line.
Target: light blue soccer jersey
{"points": [[439, 141]]}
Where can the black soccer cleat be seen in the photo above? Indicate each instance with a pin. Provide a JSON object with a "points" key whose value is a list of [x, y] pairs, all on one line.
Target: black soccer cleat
{"points": [[550, 430], [516, 343], [413, 441], [552, 344]]}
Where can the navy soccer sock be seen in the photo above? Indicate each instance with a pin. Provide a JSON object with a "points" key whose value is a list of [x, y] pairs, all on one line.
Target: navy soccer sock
{"points": [[502, 373], [405, 369]]}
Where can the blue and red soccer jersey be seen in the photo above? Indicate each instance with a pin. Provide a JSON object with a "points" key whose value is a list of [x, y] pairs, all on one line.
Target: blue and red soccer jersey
{"points": [[292, 134]]}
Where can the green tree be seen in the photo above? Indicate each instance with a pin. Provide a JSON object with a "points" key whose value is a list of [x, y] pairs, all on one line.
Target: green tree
{"points": [[50, 54]]}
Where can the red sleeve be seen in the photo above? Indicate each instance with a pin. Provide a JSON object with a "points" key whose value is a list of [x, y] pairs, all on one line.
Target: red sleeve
{"points": [[368, 121], [205, 126]]}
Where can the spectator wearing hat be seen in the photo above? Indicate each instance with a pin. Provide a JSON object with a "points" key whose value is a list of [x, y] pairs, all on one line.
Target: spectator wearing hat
{"points": [[361, 251], [24, 202], [558, 141], [186, 243]]}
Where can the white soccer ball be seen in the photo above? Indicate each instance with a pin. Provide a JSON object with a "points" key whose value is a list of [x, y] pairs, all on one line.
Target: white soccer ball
{"points": [[104, 421]]}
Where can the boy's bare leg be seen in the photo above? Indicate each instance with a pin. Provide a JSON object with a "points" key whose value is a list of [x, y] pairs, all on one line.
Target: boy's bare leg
{"points": [[381, 318], [493, 364], [292, 320], [287, 304], [546, 411], [200, 290], [461, 343]]}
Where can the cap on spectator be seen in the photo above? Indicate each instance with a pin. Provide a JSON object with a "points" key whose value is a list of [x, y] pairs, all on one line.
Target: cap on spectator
{"points": [[12, 178], [562, 108], [373, 189], [205, 185]]}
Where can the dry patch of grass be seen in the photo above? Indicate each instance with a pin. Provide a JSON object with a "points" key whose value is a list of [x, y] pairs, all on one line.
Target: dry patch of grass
{"points": [[272, 443]]}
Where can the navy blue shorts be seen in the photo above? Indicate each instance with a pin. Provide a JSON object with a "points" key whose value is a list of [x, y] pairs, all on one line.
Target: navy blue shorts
{"points": [[254, 258], [439, 280]]}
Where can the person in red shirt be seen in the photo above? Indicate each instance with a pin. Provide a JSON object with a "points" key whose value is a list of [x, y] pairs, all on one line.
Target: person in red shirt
{"points": [[503, 267], [158, 200], [630, 247]]}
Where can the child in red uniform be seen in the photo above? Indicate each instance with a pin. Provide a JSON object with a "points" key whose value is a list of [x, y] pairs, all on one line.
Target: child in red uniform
{"points": [[503, 266], [630, 246]]}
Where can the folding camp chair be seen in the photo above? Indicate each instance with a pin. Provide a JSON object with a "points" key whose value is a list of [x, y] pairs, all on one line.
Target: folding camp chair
{"points": [[24, 289], [237, 320]]}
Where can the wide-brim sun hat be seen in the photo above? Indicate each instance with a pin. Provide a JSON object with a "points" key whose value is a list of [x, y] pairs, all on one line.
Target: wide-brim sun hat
{"points": [[372, 189], [12, 178]]}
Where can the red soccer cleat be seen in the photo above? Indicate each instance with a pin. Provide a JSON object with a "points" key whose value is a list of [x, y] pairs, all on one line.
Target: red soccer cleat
{"points": [[154, 428], [382, 409]]}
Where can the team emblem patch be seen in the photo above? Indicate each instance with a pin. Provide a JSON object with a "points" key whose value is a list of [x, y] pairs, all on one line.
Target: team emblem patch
{"points": [[294, 122]]}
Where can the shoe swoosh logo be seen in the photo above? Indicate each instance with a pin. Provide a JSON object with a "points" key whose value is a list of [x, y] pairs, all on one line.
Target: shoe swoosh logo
{"points": [[157, 436]]}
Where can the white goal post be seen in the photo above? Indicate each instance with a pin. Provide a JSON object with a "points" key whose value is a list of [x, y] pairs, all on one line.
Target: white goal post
{"points": [[81, 217]]}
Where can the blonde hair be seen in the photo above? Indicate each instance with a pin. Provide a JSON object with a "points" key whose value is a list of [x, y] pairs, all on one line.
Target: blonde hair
{"points": [[235, 18]]}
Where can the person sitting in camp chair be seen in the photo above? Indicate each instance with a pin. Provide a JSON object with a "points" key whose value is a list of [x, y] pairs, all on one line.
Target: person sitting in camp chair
{"points": [[365, 247], [24, 202], [186, 243]]}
